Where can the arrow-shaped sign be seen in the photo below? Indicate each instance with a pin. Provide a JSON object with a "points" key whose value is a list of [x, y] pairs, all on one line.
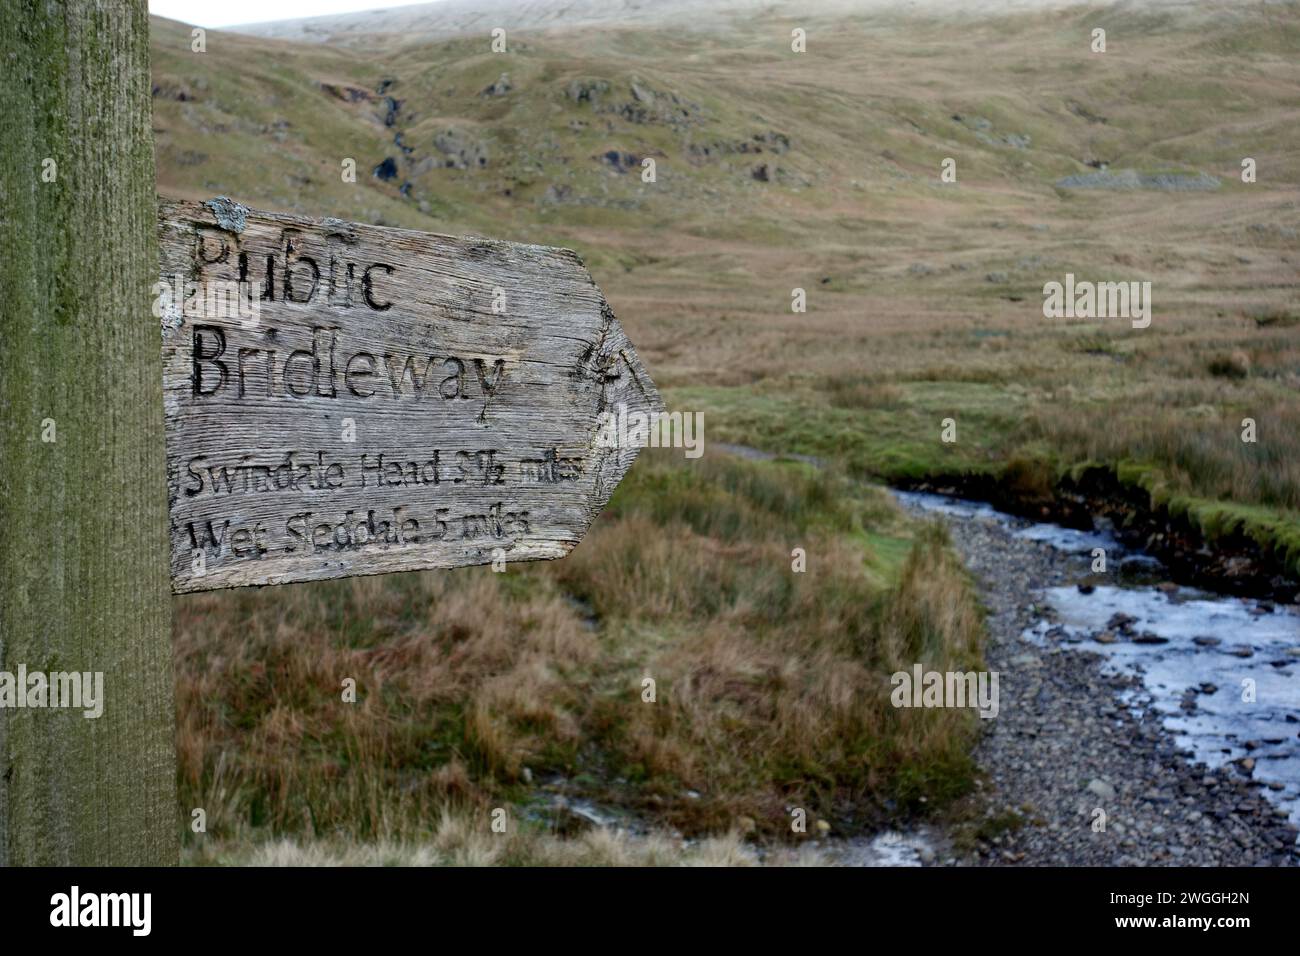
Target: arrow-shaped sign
{"points": [[346, 399]]}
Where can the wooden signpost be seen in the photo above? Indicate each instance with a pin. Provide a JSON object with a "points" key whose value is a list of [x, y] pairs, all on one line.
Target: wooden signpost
{"points": [[336, 399], [344, 399]]}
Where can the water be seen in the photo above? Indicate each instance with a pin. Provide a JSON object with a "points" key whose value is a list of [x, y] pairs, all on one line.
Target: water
{"points": [[1258, 655], [1063, 539], [889, 848], [1195, 646]]}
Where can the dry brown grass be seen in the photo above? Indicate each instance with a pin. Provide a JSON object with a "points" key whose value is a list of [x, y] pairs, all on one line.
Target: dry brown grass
{"points": [[463, 841], [771, 687], [454, 680]]}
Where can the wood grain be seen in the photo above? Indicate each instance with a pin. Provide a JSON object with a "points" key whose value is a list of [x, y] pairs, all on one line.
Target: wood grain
{"points": [[83, 555], [468, 373]]}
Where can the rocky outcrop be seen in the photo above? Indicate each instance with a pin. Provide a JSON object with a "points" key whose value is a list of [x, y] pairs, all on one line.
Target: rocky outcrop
{"points": [[1132, 179], [642, 105], [589, 92], [348, 94], [460, 149], [500, 88], [769, 141], [173, 90], [619, 160]]}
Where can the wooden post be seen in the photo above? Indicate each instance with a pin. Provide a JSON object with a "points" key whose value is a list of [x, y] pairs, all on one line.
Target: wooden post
{"points": [[84, 585]]}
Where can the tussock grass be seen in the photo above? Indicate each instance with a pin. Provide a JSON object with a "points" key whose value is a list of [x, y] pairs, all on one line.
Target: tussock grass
{"points": [[464, 841], [472, 687], [1193, 452]]}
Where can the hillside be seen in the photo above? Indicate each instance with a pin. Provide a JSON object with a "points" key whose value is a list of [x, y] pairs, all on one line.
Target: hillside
{"points": [[776, 171], [834, 153]]}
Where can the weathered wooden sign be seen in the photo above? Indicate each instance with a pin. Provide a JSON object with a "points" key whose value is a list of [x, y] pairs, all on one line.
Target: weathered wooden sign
{"points": [[346, 399]]}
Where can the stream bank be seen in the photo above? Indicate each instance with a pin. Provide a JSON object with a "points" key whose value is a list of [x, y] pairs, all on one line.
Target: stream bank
{"points": [[1232, 563]]}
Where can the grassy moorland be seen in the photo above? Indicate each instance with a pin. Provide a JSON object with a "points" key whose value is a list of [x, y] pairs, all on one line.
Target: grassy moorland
{"points": [[479, 690], [775, 171], [819, 171]]}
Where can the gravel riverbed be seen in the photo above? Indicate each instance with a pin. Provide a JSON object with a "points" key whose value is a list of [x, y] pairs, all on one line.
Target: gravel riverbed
{"points": [[1074, 739]]}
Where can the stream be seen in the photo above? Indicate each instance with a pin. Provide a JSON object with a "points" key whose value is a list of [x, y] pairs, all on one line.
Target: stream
{"points": [[1221, 672]]}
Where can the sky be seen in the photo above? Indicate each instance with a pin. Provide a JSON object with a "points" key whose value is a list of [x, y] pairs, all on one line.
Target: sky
{"points": [[225, 13]]}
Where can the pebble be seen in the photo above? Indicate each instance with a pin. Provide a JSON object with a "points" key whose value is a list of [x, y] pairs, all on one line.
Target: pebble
{"points": [[1101, 788]]}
